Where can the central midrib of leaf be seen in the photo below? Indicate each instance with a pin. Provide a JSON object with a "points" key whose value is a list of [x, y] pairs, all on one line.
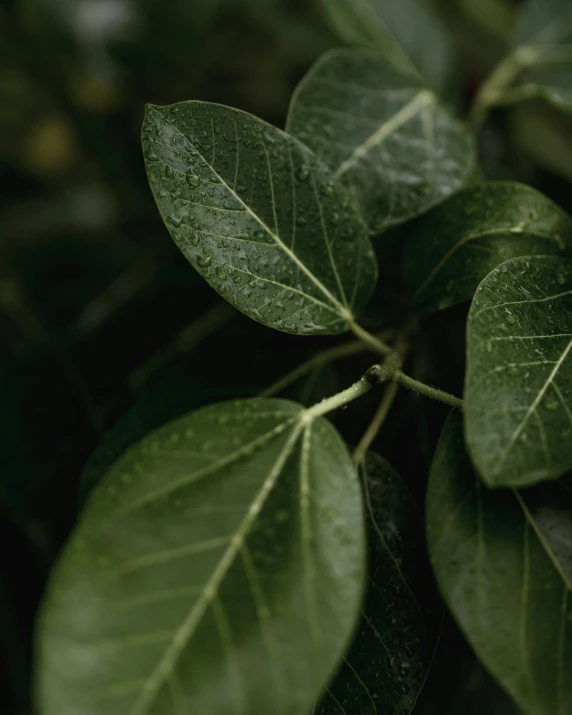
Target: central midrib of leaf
{"points": [[188, 627], [534, 406], [422, 99], [369, 18], [341, 309]]}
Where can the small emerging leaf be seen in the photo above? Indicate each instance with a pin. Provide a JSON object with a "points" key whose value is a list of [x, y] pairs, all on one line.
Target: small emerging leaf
{"points": [[386, 136], [386, 666], [451, 250], [503, 563], [407, 33], [259, 217], [218, 568], [518, 391]]}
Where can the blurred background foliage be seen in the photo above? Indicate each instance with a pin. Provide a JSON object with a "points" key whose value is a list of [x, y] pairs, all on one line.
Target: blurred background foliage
{"points": [[106, 332]]}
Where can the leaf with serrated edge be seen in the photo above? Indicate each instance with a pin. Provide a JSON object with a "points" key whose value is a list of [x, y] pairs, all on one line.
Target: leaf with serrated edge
{"points": [[259, 217], [503, 562], [388, 661], [384, 135], [407, 33], [518, 390], [219, 561], [449, 251]]}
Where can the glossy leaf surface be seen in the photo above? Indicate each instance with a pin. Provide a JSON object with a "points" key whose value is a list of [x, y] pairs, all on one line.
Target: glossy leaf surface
{"points": [[450, 251], [407, 33], [259, 217], [386, 666], [518, 390], [503, 561], [384, 135], [219, 561]]}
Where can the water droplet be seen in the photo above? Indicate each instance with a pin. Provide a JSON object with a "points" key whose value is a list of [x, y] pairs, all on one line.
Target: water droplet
{"points": [[169, 173], [193, 180], [152, 157], [204, 261], [220, 273], [237, 279], [302, 173], [551, 404], [510, 318]]}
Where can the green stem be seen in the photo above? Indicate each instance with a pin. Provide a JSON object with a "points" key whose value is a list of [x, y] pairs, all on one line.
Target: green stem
{"points": [[377, 422], [433, 392], [374, 343], [358, 389], [494, 87]]}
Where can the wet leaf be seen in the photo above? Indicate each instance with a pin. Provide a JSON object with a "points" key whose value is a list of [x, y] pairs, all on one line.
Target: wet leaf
{"points": [[220, 560], [503, 562], [543, 22], [259, 217], [407, 33], [388, 661], [450, 251], [384, 135], [518, 390]]}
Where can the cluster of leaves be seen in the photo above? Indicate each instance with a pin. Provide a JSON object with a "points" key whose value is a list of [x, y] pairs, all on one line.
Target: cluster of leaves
{"points": [[222, 563]]}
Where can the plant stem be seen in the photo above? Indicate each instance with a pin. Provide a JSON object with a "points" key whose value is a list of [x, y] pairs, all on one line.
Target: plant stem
{"points": [[374, 343], [494, 87], [358, 389], [377, 422], [336, 353], [423, 389]]}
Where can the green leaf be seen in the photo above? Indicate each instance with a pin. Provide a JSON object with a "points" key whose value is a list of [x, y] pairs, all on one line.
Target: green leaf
{"points": [[503, 562], [451, 250], [219, 562], [388, 661], [548, 75], [542, 41], [259, 217], [518, 390], [407, 33], [543, 22], [385, 135]]}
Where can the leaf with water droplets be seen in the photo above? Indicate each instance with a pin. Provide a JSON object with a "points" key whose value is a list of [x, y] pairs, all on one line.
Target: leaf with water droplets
{"points": [[386, 137], [518, 389], [449, 251], [219, 561], [407, 33], [265, 225], [388, 661], [503, 562]]}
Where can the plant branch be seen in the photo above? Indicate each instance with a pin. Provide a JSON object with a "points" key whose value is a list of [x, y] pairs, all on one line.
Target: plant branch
{"points": [[494, 87], [423, 389], [376, 344], [323, 358], [376, 424], [358, 389]]}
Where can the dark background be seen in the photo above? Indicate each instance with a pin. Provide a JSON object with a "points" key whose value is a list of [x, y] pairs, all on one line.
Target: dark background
{"points": [[101, 318]]}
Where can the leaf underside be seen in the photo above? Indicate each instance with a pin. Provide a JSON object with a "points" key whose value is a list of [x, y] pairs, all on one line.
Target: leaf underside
{"points": [[449, 251], [518, 390], [219, 561], [387, 663], [386, 137], [259, 217], [503, 562]]}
